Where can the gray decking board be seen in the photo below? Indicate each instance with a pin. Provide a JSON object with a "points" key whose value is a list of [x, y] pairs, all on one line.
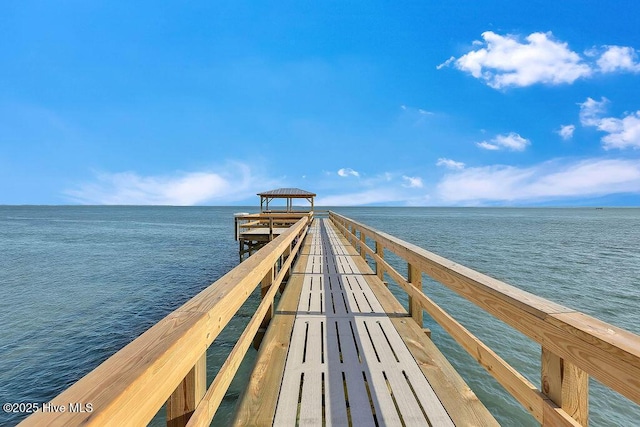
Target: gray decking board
{"points": [[347, 364]]}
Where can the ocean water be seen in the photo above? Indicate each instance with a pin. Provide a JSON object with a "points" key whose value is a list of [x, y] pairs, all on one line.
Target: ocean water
{"points": [[79, 283]]}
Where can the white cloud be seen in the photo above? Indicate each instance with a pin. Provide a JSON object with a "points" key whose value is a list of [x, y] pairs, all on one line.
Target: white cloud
{"points": [[591, 110], [503, 61], [546, 181], [345, 172], [446, 63], [450, 164], [619, 58], [506, 61], [232, 183], [566, 131], [621, 133], [487, 146], [412, 181], [511, 142]]}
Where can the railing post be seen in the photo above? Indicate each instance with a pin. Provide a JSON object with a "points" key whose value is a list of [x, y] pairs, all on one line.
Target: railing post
{"points": [[270, 228], [363, 253], [414, 277], [380, 253], [286, 254], [264, 288], [265, 284], [566, 385], [188, 394]]}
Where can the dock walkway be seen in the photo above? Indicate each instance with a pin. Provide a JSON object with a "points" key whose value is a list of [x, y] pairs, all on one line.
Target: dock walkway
{"points": [[344, 348], [347, 364]]}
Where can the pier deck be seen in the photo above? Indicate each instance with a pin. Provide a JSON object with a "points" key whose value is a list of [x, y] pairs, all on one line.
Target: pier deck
{"points": [[347, 362]]}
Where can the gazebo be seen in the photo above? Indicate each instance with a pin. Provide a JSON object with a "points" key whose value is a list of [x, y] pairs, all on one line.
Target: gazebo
{"points": [[284, 193]]}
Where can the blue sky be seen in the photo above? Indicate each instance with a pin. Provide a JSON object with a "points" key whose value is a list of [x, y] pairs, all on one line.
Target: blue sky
{"points": [[464, 103]]}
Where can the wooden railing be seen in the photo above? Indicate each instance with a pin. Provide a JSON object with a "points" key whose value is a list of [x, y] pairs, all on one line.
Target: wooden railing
{"points": [[574, 345], [167, 363], [267, 220]]}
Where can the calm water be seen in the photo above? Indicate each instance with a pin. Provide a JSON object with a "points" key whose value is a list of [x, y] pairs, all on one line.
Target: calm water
{"points": [[78, 283]]}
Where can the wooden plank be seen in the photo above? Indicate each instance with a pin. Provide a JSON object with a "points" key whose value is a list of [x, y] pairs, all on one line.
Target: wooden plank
{"points": [[350, 375], [415, 279], [427, 396], [262, 231], [360, 411], [386, 411], [565, 385], [551, 376], [408, 402], [285, 409], [265, 286], [311, 400], [183, 401], [394, 396], [335, 401]]}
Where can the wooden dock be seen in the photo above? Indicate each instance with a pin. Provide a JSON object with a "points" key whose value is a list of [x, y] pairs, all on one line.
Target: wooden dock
{"points": [[340, 349], [347, 364], [253, 231]]}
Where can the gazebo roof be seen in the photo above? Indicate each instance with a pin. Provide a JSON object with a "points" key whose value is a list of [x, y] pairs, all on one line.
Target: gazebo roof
{"points": [[287, 193]]}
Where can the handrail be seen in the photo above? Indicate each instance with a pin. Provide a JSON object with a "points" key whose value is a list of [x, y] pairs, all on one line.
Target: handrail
{"points": [[574, 345], [279, 215], [166, 363], [245, 222]]}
